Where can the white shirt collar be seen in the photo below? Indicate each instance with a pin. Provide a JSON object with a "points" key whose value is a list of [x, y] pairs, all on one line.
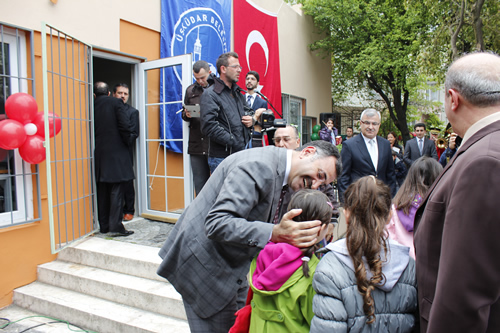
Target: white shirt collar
{"points": [[480, 124], [367, 141]]}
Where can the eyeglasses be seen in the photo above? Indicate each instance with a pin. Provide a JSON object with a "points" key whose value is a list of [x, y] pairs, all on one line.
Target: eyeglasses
{"points": [[236, 67], [368, 123], [284, 139]]}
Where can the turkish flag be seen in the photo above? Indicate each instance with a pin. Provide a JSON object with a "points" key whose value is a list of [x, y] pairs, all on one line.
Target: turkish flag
{"points": [[256, 42]]}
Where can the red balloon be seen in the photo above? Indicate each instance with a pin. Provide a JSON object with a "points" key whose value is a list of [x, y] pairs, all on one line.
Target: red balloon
{"points": [[54, 120], [12, 134], [33, 150], [21, 107]]}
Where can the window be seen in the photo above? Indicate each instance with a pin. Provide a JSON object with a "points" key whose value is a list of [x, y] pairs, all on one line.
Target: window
{"points": [[16, 188]]}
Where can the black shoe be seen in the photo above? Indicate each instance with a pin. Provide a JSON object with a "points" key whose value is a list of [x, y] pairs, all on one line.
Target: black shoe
{"points": [[102, 231], [123, 233]]}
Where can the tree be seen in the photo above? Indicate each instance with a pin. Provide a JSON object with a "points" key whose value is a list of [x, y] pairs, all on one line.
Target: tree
{"points": [[458, 27], [374, 46]]}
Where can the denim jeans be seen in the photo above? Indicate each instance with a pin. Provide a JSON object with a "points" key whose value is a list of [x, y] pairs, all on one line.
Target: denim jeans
{"points": [[213, 163]]}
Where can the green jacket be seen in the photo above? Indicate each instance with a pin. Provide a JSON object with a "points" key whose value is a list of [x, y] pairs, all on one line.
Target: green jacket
{"points": [[288, 309]]}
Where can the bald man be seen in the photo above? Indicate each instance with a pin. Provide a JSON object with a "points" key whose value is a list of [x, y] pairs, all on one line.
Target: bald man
{"points": [[287, 137], [457, 226]]}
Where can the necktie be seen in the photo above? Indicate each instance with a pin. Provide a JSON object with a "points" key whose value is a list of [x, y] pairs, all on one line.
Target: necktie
{"points": [[373, 153], [421, 146], [278, 209], [249, 100]]}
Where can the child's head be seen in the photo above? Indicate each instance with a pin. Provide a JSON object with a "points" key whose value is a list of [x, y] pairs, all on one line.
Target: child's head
{"points": [[423, 172], [315, 205], [367, 208]]}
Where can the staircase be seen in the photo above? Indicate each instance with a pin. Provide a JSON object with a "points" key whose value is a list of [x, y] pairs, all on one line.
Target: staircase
{"points": [[106, 286]]}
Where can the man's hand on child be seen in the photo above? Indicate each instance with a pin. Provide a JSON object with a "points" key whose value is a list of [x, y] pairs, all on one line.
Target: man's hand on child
{"points": [[299, 234]]}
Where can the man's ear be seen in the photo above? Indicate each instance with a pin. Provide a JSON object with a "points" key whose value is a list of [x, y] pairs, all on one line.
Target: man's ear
{"points": [[455, 99], [309, 150]]}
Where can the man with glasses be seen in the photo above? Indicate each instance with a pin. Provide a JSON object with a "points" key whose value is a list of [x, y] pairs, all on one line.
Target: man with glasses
{"points": [[367, 154], [222, 109], [287, 137]]}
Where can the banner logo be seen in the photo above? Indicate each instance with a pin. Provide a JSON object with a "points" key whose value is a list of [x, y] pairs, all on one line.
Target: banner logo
{"points": [[195, 29]]}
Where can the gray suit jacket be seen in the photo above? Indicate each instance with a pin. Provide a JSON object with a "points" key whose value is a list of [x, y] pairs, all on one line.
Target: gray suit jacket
{"points": [[207, 255], [412, 152], [456, 241]]}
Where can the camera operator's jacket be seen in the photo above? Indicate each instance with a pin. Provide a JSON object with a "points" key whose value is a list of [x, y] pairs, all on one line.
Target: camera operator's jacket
{"points": [[221, 111]]}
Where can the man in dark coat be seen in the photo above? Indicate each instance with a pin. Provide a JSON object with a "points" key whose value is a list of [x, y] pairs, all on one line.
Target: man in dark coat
{"points": [[367, 154], [457, 225], [419, 146], [121, 90], [113, 166], [198, 143]]}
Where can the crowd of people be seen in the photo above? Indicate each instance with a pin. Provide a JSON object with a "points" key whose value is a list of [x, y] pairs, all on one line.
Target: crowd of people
{"points": [[249, 255]]}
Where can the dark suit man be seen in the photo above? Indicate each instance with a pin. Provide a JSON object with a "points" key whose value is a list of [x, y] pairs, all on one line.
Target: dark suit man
{"points": [[208, 253], [457, 225], [419, 146], [113, 166], [121, 91], [256, 103], [198, 143], [358, 161]]}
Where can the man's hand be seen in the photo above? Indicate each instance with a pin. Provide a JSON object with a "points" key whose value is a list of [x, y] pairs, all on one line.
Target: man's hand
{"points": [[247, 121], [452, 144], [187, 113], [299, 234]]}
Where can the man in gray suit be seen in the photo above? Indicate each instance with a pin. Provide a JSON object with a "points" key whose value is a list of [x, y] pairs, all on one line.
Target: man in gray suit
{"points": [[207, 255], [419, 146]]}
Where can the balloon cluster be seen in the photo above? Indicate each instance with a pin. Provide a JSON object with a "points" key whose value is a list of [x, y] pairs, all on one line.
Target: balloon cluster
{"points": [[315, 133], [25, 128]]}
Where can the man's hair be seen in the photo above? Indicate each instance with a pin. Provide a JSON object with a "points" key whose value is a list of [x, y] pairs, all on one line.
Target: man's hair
{"points": [[223, 60], [420, 125], [479, 85], [370, 113], [350, 128], [295, 130], [101, 88], [124, 85], [325, 149], [254, 73], [201, 64]]}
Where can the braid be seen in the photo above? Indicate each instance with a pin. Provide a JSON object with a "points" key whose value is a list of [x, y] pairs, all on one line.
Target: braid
{"points": [[368, 200]]}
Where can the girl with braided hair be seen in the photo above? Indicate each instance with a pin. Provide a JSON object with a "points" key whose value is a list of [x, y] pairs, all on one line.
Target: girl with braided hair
{"points": [[281, 275], [365, 283]]}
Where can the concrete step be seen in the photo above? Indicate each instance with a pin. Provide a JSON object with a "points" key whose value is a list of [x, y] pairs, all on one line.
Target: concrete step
{"points": [[132, 259], [22, 320], [99, 315], [145, 294]]}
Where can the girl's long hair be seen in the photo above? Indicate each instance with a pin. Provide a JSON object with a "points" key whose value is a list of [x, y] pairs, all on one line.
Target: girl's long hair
{"points": [[423, 172], [368, 201], [315, 205]]}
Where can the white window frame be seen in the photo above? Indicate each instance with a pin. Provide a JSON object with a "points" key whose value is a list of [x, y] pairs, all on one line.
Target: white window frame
{"points": [[24, 187]]}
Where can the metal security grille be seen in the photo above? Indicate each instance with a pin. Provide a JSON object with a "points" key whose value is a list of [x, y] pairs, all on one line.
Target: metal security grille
{"points": [[20, 199], [67, 87]]}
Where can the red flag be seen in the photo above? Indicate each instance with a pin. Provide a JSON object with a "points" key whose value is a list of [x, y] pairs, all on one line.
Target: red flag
{"points": [[256, 42]]}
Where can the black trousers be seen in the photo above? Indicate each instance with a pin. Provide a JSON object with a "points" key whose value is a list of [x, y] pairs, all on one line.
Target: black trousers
{"points": [[129, 197], [201, 171], [110, 206]]}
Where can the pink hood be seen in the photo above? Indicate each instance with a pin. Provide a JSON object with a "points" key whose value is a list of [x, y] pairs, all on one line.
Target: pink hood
{"points": [[275, 264]]}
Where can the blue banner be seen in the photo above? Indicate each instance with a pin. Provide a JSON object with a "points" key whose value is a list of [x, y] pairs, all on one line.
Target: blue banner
{"points": [[199, 27]]}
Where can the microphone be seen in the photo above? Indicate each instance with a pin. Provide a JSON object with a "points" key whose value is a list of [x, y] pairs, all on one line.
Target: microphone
{"points": [[262, 95]]}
